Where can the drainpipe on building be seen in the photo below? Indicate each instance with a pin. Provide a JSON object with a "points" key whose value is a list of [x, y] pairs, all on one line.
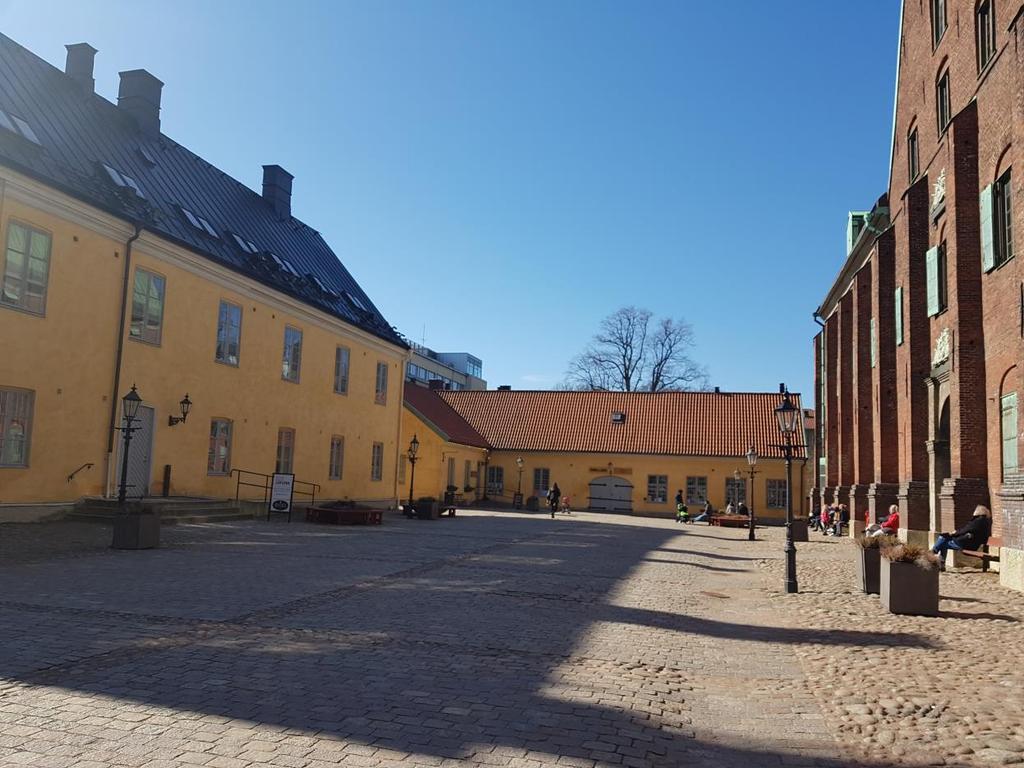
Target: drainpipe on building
{"points": [[817, 318], [115, 388]]}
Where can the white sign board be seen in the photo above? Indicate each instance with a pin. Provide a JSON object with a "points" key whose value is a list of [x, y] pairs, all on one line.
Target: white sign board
{"points": [[281, 493]]}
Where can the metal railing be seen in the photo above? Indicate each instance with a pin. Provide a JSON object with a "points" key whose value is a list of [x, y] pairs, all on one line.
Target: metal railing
{"points": [[263, 481]]}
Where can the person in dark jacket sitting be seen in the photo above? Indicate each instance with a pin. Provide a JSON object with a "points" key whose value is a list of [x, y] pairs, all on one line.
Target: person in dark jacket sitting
{"points": [[972, 536]]}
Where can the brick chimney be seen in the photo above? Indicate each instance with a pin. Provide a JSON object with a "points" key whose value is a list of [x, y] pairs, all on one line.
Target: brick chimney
{"points": [[277, 190], [79, 63], [139, 96]]}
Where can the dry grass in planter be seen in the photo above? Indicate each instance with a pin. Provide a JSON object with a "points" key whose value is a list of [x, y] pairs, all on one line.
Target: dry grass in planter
{"points": [[911, 553], [876, 542]]}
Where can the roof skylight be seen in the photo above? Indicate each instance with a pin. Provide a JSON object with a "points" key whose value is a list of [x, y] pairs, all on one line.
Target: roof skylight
{"points": [[320, 284], [147, 155], [246, 245], [123, 180], [15, 124], [284, 264], [199, 223], [355, 301]]}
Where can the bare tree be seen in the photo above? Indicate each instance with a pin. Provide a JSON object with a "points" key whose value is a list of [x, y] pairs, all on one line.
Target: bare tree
{"points": [[628, 355]]}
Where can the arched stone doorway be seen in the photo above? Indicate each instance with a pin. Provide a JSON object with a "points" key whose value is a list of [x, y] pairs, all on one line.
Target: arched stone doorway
{"points": [[611, 494]]}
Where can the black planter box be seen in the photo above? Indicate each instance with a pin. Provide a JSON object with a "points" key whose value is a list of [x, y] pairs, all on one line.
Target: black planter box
{"points": [[800, 529], [137, 529], [869, 569], [909, 589]]}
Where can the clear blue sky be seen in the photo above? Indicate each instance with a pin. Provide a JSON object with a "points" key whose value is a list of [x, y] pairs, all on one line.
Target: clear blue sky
{"points": [[503, 175]]}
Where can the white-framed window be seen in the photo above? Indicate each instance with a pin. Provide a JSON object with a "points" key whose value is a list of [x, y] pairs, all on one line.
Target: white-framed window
{"points": [[541, 481], [985, 32], [696, 490], [26, 268], [291, 361], [938, 21], [377, 462], [1008, 430], [942, 108], [229, 333], [735, 491], [147, 307], [15, 426], [341, 358], [218, 461], [380, 395], [775, 494], [657, 488], [285, 451], [495, 480], [467, 475], [451, 471], [337, 460]]}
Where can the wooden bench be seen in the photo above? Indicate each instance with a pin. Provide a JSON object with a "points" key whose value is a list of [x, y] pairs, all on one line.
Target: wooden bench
{"points": [[982, 554], [730, 521], [344, 516]]}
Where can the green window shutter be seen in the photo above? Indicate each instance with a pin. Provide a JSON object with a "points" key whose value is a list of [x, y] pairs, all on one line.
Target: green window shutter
{"points": [[899, 315], [874, 345], [931, 263], [988, 251]]}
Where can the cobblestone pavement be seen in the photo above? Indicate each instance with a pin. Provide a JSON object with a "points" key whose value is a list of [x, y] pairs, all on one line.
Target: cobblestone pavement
{"points": [[488, 639]]}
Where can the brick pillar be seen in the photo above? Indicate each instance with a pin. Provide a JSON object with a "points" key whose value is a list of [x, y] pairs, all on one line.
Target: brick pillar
{"points": [[844, 384], [913, 358], [884, 416], [968, 484], [862, 410], [831, 407]]}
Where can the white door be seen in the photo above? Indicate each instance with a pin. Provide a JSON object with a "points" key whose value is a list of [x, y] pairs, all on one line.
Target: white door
{"points": [[612, 494], [139, 454]]}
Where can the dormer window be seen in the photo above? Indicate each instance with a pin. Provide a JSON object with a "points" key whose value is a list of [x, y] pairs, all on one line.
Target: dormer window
{"points": [[199, 222], [123, 180], [16, 125], [147, 156], [246, 245], [284, 265], [618, 417]]}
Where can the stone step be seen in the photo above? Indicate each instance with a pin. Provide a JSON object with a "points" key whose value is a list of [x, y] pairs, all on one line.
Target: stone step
{"points": [[171, 511]]}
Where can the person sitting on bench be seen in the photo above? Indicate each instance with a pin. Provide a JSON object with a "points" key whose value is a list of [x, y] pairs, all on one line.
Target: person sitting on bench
{"points": [[888, 527], [972, 536], [705, 516]]}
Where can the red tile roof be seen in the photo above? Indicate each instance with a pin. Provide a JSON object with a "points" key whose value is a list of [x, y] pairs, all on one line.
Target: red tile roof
{"points": [[676, 423], [426, 404]]}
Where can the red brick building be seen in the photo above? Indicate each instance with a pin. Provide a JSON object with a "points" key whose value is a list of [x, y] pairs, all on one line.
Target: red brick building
{"points": [[917, 365]]}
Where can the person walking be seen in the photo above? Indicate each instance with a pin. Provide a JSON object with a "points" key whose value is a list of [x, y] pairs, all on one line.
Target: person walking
{"points": [[554, 494]]}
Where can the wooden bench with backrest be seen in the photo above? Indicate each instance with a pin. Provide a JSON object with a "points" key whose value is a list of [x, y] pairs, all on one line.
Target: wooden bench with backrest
{"points": [[730, 521], [344, 515], [983, 554]]}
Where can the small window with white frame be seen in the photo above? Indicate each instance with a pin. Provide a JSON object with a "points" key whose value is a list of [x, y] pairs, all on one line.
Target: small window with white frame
{"points": [[541, 481], [657, 488], [341, 361], [380, 396], [776, 494], [147, 321], [291, 360], [696, 489], [15, 426], [337, 460], [219, 459], [377, 462], [26, 271], [229, 333]]}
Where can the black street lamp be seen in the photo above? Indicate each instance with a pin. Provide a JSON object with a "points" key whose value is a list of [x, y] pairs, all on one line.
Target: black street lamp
{"points": [[752, 463], [789, 419], [186, 406], [519, 465], [487, 471], [414, 448], [130, 408]]}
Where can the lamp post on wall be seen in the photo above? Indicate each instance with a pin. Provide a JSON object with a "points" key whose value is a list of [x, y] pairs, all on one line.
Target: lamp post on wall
{"points": [[186, 406], [414, 448], [752, 463], [789, 417], [130, 408], [485, 480], [517, 500]]}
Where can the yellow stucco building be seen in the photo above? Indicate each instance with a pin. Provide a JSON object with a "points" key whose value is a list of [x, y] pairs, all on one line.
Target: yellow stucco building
{"points": [[128, 260], [607, 451]]}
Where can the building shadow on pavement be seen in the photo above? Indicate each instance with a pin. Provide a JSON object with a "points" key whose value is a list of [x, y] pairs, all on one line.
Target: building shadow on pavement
{"points": [[439, 655]]}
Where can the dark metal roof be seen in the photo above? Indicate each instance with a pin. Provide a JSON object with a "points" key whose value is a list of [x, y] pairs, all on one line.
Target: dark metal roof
{"points": [[78, 131]]}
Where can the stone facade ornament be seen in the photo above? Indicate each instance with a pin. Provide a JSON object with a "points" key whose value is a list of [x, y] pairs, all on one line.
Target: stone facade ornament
{"points": [[943, 348], [939, 190]]}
